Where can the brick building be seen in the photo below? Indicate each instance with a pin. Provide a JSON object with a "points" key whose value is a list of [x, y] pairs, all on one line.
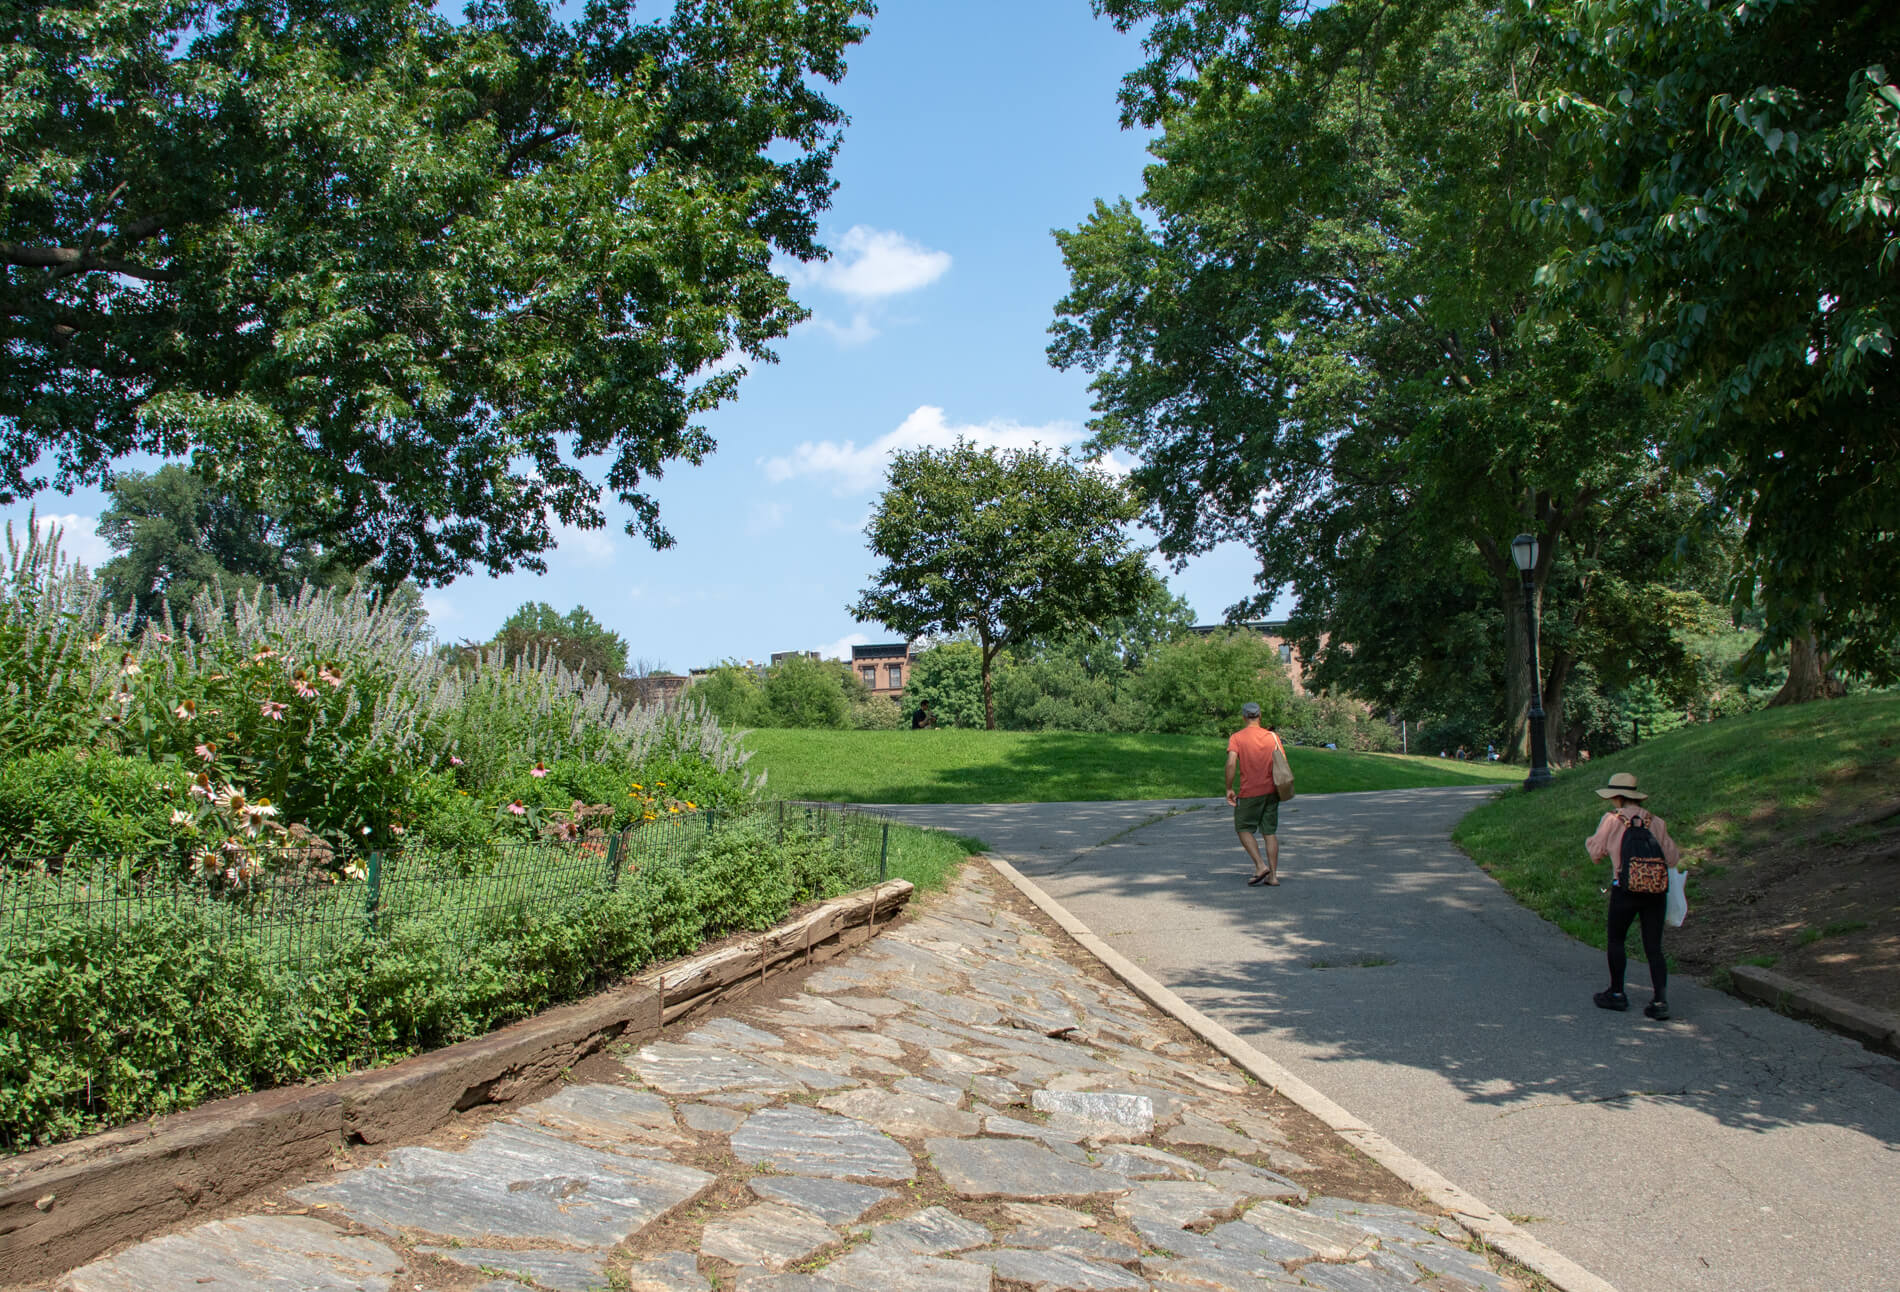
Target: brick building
{"points": [[884, 669], [1274, 630]]}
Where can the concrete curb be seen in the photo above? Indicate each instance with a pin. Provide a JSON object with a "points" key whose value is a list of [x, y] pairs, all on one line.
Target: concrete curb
{"points": [[1874, 1028], [64, 1205], [1469, 1211]]}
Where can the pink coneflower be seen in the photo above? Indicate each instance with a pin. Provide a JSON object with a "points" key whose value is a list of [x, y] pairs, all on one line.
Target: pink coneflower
{"points": [[253, 817], [186, 711], [331, 674], [300, 683], [201, 786], [205, 750], [128, 665], [538, 771], [454, 761], [263, 653], [164, 637], [517, 809], [272, 709]]}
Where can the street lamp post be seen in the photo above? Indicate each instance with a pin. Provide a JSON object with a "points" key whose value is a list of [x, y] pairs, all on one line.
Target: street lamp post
{"points": [[1524, 553]]}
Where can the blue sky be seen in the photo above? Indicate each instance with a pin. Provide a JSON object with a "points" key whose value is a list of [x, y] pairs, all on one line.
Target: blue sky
{"points": [[977, 127]]}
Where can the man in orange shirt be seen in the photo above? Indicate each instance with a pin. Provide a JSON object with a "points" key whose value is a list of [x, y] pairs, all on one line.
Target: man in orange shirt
{"points": [[1255, 802]]}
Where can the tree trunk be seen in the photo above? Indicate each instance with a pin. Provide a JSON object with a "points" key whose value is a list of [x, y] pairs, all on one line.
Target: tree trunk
{"points": [[1517, 683], [989, 699], [1555, 679], [1809, 676]]}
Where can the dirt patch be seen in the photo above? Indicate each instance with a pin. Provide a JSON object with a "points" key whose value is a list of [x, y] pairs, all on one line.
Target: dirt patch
{"points": [[1816, 897]]}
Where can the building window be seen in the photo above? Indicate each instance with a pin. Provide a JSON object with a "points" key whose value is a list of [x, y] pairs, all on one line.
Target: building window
{"points": [[869, 673], [1286, 653], [895, 674]]}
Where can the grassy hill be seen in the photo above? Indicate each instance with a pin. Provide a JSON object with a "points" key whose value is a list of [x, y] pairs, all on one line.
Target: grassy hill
{"points": [[1794, 815], [954, 766]]}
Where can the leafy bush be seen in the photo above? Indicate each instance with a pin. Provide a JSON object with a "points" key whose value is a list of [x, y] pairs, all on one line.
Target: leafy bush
{"points": [[102, 804], [949, 678], [804, 692], [105, 1023], [732, 694], [1196, 685], [1055, 692], [876, 713]]}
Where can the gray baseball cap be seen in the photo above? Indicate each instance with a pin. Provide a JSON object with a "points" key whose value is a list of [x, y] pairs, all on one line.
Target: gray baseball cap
{"points": [[1250, 710]]}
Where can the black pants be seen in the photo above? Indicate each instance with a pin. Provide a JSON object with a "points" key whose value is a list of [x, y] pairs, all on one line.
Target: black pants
{"points": [[1624, 908]]}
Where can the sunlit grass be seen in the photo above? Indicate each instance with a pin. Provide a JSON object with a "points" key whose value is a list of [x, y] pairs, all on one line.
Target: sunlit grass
{"points": [[957, 766]]}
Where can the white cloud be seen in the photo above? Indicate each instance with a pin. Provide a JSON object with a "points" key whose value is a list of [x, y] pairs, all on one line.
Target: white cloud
{"points": [[765, 517], [870, 263], [841, 649], [591, 546], [78, 538], [439, 608], [859, 331], [858, 470]]}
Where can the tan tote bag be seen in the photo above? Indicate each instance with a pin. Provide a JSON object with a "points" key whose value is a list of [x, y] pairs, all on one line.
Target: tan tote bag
{"points": [[1282, 770]]}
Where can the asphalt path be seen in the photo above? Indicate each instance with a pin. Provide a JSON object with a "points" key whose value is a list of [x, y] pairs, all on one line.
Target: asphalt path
{"points": [[1730, 1149]]}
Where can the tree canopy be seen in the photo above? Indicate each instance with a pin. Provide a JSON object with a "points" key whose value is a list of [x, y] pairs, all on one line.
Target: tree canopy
{"points": [[1002, 544], [398, 276], [577, 639], [1730, 177]]}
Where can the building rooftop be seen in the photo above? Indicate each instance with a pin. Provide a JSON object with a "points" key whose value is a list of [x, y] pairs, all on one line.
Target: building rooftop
{"points": [[882, 650]]}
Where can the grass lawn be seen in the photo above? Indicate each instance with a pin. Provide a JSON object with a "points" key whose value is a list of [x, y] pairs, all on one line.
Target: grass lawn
{"points": [[927, 857], [956, 766], [1761, 801]]}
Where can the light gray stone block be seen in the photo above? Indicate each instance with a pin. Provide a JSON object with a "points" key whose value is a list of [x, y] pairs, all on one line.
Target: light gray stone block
{"points": [[768, 1234], [1330, 1239], [561, 1271], [1140, 1162], [698, 1069], [912, 1116], [1178, 1203], [1051, 1271], [731, 1034], [1103, 1116], [1081, 1242], [805, 1141], [988, 1168], [881, 1268], [667, 1272], [931, 1232], [937, 1090], [711, 1119], [244, 1255]]}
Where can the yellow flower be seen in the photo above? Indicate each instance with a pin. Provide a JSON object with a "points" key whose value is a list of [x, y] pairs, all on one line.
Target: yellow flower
{"points": [[638, 786], [691, 808]]}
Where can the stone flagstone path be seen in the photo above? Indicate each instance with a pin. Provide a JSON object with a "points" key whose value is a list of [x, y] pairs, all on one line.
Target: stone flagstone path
{"points": [[955, 1104]]}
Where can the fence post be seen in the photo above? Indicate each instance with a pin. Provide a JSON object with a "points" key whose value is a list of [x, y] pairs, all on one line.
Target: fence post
{"points": [[375, 897], [884, 853], [613, 860], [710, 813]]}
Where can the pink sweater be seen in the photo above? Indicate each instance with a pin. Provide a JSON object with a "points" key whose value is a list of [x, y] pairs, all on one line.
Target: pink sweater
{"points": [[1607, 842]]}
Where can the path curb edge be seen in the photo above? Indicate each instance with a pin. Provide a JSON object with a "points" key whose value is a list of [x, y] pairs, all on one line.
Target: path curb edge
{"points": [[1471, 1212]]}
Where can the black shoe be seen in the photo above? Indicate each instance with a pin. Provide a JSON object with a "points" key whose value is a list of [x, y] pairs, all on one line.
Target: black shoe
{"points": [[1615, 1000], [1656, 1009]]}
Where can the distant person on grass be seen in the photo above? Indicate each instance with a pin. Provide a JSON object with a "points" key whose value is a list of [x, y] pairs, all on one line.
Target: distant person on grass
{"points": [[1630, 833], [1255, 802]]}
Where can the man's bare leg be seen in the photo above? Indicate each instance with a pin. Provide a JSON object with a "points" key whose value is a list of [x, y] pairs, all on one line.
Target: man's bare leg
{"points": [[1252, 845], [1273, 856]]}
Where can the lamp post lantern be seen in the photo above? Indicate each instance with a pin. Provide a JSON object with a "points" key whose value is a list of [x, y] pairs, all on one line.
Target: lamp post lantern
{"points": [[1524, 553]]}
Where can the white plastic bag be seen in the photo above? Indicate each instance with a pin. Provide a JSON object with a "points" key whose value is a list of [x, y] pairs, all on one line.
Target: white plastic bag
{"points": [[1676, 905]]}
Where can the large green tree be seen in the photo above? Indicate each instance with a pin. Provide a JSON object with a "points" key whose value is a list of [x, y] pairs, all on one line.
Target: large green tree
{"points": [[577, 639], [398, 276], [175, 538], [1001, 544], [1315, 331], [1730, 176]]}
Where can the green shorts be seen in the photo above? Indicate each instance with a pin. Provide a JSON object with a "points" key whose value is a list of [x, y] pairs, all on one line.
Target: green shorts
{"points": [[1258, 815]]}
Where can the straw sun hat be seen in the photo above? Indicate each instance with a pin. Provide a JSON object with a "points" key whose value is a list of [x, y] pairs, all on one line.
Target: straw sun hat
{"points": [[1622, 785]]}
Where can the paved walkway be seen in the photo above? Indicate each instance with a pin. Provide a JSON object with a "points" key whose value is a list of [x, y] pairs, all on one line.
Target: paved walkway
{"points": [[1730, 1150], [961, 1101]]}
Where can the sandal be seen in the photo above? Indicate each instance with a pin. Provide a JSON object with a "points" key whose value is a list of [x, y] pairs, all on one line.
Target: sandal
{"points": [[1271, 881], [1256, 881]]}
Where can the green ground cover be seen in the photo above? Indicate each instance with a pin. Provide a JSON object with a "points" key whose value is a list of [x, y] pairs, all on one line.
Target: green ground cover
{"points": [[1725, 788], [962, 766]]}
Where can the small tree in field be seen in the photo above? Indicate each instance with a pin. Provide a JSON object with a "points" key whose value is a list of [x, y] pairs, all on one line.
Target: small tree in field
{"points": [[1002, 544]]}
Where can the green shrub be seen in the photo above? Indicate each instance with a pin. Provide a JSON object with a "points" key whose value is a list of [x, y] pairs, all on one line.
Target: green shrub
{"points": [[1196, 685], [949, 678], [93, 803], [804, 692], [732, 694], [876, 713]]}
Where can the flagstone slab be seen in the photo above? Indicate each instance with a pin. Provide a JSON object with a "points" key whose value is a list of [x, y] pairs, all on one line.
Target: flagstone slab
{"points": [[513, 1183], [711, 1119], [698, 1069], [879, 1267], [1198, 1130], [606, 1116], [837, 1202], [768, 1234], [1015, 1168], [958, 1009], [805, 1141], [1330, 1239], [1243, 1177], [1354, 1278], [874, 1043], [912, 1116], [1213, 1276], [1053, 1271], [932, 1232], [1103, 1116], [561, 1271], [667, 1272], [1400, 1223], [1180, 1203], [1079, 1241], [1141, 1162], [995, 1090], [1051, 1214], [937, 1090], [244, 1255], [731, 1034]]}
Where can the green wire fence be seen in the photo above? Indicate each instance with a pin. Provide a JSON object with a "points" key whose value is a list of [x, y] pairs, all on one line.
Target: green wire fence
{"points": [[292, 915]]}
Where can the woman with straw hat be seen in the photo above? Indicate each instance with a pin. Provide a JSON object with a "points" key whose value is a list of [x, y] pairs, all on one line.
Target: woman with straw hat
{"points": [[1627, 811]]}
